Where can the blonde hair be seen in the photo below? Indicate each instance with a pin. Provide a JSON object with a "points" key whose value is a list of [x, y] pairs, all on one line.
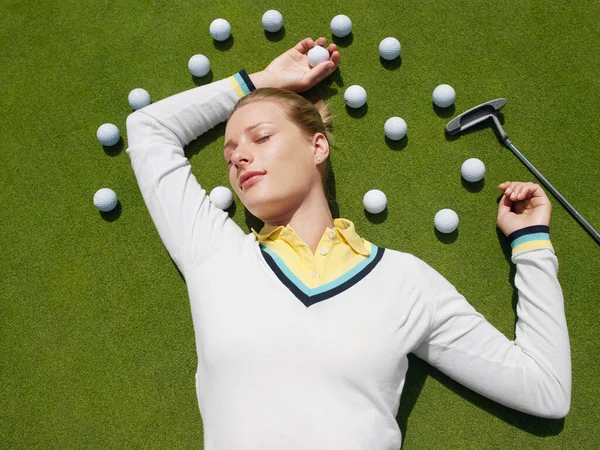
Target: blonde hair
{"points": [[310, 117]]}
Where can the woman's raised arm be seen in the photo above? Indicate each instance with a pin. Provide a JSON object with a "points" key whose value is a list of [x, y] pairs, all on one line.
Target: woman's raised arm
{"points": [[188, 224]]}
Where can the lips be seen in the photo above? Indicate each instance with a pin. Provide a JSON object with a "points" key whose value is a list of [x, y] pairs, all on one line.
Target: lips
{"points": [[250, 178]]}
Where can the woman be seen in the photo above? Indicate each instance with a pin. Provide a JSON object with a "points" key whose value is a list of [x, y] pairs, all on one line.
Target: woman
{"points": [[302, 329]]}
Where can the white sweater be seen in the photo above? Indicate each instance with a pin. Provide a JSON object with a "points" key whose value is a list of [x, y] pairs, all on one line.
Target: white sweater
{"points": [[281, 368]]}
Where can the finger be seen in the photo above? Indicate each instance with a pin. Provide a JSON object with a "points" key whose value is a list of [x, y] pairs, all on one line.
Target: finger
{"points": [[511, 187], [521, 191], [504, 185], [504, 206], [335, 58], [304, 45], [331, 48], [319, 72], [532, 190], [321, 41]]}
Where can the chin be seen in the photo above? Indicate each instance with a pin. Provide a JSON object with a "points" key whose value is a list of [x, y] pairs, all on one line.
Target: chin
{"points": [[271, 204]]}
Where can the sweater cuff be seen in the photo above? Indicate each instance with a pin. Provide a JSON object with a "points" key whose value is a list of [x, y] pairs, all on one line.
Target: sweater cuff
{"points": [[528, 238], [241, 83]]}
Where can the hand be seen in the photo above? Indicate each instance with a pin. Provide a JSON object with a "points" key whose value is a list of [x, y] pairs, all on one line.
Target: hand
{"points": [[522, 205], [291, 70]]}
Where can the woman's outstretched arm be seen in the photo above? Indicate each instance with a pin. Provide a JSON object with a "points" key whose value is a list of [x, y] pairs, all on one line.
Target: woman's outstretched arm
{"points": [[188, 224], [531, 373]]}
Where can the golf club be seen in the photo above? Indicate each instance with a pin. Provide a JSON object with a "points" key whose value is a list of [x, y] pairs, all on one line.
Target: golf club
{"points": [[489, 110]]}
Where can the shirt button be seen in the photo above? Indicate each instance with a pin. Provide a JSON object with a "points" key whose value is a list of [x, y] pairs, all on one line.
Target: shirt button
{"points": [[330, 235], [323, 252]]}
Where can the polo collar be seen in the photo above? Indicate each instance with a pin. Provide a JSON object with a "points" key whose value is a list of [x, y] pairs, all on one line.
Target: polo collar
{"points": [[344, 227]]}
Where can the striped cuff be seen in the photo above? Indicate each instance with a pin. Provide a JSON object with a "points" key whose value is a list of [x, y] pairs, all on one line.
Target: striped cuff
{"points": [[528, 238], [241, 83]]}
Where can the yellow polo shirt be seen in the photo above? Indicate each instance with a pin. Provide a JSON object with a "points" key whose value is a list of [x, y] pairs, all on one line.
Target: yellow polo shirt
{"points": [[339, 250]]}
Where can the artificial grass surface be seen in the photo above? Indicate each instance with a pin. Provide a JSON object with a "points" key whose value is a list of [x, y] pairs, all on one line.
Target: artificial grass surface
{"points": [[97, 341]]}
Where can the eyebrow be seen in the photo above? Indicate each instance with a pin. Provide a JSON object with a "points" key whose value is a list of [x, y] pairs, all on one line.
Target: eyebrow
{"points": [[228, 143]]}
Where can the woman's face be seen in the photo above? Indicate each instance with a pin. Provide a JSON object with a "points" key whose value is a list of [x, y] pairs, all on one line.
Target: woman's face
{"points": [[259, 137]]}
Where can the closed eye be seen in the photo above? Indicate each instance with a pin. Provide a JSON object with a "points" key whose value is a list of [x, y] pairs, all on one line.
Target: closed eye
{"points": [[259, 141], [263, 139]]}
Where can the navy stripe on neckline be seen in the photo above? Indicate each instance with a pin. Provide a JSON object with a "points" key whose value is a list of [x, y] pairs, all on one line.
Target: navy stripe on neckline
{"points": [[308, 299]]}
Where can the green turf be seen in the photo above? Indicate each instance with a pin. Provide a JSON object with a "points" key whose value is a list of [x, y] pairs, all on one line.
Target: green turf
{"points": [[97, 345]]}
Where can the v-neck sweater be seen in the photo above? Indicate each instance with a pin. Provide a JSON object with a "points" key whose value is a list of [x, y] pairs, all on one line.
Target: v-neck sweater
{"points": [[286, 367]]}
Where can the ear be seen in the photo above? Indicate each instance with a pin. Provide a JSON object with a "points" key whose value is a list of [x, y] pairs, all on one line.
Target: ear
{"points": [[320, 147]]}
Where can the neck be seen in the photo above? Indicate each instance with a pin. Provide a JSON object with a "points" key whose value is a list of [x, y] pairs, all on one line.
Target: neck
{"points": [[309, 221]]}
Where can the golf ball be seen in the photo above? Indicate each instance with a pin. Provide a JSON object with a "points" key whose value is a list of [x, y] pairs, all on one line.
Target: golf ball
{"points": [[221, 197], [355, 96], [220, 29], [108, 134], [395, 128], [138, 98], [316, 55], [443, 95], [375, 201], [199, 65], [389, 48], [446, 221], [272, 21], [105, 199], [472, 170], [341, 26]]}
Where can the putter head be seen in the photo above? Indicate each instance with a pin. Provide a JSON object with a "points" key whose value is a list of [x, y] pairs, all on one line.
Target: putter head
{"points": [[474, 115]]}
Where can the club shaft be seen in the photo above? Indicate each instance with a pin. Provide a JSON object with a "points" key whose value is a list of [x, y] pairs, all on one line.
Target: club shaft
{"points": [[557, 194]]}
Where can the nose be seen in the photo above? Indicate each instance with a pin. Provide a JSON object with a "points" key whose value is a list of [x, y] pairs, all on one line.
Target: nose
{"points": [[241, 155]]}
